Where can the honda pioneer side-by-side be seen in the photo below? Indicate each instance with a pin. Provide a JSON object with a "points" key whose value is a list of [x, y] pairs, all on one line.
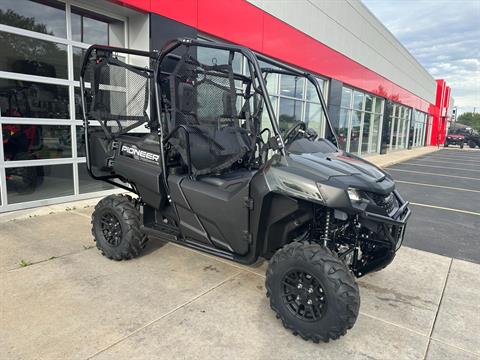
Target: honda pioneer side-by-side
{"points": [[191, 130]]}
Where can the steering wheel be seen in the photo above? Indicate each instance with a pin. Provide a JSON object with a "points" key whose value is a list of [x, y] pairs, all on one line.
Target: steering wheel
{"points": [[292, 133]]}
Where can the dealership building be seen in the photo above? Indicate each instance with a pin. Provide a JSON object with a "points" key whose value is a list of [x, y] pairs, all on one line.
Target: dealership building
{"points": [[379, 98]]}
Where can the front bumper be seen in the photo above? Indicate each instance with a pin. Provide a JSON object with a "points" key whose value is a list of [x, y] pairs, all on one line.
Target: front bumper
{"points": [[394, 226], [455, 141]]}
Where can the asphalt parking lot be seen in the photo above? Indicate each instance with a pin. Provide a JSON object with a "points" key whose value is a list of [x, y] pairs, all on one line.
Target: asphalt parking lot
{"points": [[444, 190]]}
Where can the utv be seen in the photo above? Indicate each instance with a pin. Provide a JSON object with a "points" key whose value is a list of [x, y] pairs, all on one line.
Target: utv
{"points": [[472, 138], [454, 139], [191, 130]]}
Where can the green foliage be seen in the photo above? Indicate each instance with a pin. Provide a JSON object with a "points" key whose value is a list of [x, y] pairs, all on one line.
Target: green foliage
{"points": [[24, 263], [470, 119], [21, 52], [11, 18]]}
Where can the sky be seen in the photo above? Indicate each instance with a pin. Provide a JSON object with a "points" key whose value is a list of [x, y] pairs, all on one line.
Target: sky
{"points": [[444, 36]]}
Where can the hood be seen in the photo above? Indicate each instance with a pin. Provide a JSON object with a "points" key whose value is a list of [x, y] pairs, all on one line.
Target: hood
{"points": [[341, 169], [456, 136], [340, 164]]}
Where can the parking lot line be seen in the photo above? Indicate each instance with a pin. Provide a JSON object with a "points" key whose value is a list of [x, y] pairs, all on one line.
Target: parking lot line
{"points": [[446, 208], [436, 186], [455, 158], [468, 160], [428, 173], [437, 166], [445, 161]]}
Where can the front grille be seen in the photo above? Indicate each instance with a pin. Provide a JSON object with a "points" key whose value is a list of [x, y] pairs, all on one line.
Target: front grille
{"points": [[388, 203]]}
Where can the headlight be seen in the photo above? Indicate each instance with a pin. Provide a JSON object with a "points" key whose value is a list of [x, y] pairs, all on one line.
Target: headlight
{"points": [[355, 195], [357, 198]]}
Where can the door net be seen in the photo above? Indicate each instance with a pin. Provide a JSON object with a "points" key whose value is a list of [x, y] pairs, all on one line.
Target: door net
{"points": [[116, 94]]}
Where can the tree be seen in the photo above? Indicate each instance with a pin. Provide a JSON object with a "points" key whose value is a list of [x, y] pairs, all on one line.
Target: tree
{"points": [[470, 119]]}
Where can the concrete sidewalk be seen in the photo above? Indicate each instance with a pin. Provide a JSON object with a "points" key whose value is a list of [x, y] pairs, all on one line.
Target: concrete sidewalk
{"points": [[60, 299], [400, 155]]}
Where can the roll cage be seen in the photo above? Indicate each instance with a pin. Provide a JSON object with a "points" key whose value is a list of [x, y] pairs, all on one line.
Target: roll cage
{"points": [[152, 111]]}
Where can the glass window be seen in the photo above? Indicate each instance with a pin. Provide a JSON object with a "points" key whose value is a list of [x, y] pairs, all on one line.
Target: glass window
{"points": [[87, 29], [266, 123], [400, 127], [393, 133], [357, 100], [209, 56], [375, 133], [79, 132], [314, 116], [378, 105], [272, 84], [366, 137], [355, 131], [31, 183], [368, 102], [312, 92], [45, 16], [343, 128], [87, 184], [29, 142], [364, 130], [78, 54], [346, 98], [291, 86], [32, 56], [397, 111], [93, 28], [290, 112], [34, 100], [78, 103]]}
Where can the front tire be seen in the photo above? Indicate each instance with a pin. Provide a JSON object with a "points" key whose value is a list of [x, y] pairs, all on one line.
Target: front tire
{"points": [[312, 291], [472, 144], [116, 227]]}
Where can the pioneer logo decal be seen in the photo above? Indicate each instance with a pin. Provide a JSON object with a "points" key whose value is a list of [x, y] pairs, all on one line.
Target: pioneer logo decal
{"points": [[138, 154]]}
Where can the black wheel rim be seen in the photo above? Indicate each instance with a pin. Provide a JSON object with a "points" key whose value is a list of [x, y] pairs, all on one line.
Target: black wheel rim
{"points": [[111, 228], [303, 295]]}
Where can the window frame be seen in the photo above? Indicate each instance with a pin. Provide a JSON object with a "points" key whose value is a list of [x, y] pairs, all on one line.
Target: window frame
{"points": [[364, 113], [72, 122]]}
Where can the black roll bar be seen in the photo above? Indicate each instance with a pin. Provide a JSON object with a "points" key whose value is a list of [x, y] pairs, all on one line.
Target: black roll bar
{"points": [[86, 58]]}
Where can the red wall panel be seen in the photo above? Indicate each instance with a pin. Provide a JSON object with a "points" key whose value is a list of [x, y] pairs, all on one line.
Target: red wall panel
{"points": [[233, 21], [440, 113]]}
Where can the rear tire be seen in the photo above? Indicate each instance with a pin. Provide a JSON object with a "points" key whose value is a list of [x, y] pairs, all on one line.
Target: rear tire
{"points": [[461, 146], [116, 227], [324, 303], [472, 144]]}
